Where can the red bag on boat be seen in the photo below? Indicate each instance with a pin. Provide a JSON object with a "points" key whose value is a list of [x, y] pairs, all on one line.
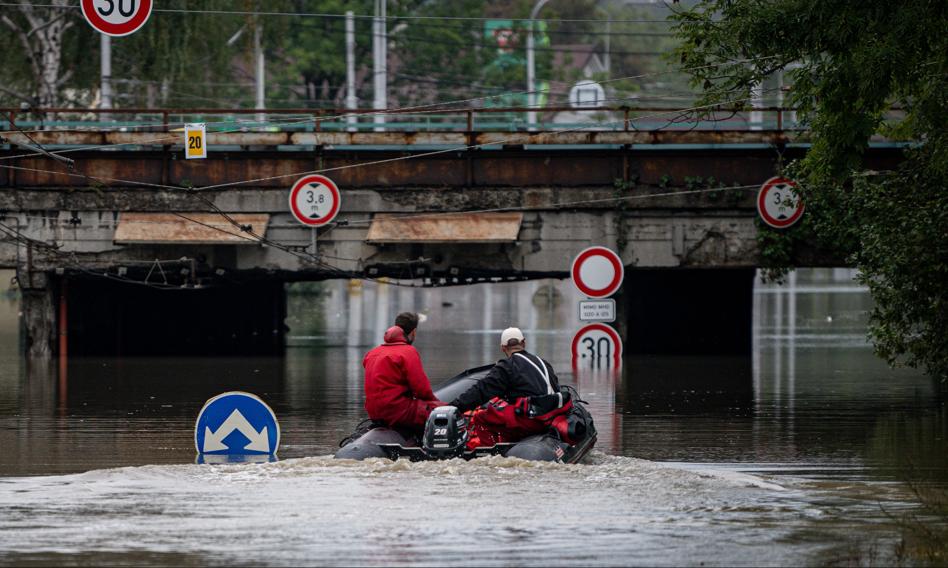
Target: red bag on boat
{"points": [[502, 422]]}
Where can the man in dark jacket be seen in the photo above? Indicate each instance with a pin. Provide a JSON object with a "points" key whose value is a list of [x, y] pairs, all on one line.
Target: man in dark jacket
{"points": [[528, 393], [397, 390]]}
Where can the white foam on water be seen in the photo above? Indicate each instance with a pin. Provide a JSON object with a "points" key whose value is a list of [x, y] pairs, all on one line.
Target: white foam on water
{"points": [[312, 510]]}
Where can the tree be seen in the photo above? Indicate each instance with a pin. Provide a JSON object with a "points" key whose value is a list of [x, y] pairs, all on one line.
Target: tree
{"points": [[183, 59], [40, 32], [849, 63], [313, 57]]}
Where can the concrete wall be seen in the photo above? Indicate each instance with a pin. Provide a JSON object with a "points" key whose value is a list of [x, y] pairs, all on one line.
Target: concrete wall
{"points": [[58, 224]]}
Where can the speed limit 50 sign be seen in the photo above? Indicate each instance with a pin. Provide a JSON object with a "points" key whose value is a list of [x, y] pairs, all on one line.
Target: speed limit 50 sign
{"points": [[116, 18]]}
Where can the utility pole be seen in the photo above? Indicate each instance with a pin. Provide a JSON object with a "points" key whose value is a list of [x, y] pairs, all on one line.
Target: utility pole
{"points": [[105, 69], [260, 71], [531, 67], [380, 51], [757, 101], [608, 58], [351, 102]]}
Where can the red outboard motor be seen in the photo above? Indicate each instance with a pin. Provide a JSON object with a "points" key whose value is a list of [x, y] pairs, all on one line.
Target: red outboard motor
{"points": [[445, 434]]}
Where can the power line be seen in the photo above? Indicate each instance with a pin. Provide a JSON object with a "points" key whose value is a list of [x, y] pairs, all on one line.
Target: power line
{"points": [[468, 147], [489, 97], [315, 257], [20, 239], [564, 204], [365, 16], [419, 109], [395, 38], [37, 146], [678, 112]]}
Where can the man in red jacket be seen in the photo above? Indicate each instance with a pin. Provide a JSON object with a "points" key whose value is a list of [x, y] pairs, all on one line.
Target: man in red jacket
{"points": [[397, 391]]}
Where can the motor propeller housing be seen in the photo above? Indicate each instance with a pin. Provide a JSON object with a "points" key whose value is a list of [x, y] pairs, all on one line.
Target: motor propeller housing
{"points": [[445, 434]]}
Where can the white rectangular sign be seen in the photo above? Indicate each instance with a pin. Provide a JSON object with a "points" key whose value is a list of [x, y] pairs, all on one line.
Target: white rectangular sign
{"points": [[597, 310], [195, 141]]}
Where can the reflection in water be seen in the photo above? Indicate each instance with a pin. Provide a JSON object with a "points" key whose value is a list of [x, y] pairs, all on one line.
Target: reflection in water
{"points": [[808, 394], [812, 405]]}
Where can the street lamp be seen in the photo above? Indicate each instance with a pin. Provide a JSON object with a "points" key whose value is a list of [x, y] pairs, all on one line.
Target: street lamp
{"points": [[531, 71]]}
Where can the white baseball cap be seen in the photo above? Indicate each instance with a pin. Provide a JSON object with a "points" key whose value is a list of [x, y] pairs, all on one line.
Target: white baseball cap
{"points": [[511, 333]]}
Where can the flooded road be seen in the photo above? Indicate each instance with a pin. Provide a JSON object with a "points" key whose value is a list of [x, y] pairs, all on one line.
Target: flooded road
{"points": [[795, 455]]}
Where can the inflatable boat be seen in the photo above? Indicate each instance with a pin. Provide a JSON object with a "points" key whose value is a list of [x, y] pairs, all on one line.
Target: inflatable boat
{"points": [[447, 433]]}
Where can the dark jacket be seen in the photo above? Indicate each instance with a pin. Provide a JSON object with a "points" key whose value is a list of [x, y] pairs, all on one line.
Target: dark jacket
{"points": [[517, 376], [397, 391]]}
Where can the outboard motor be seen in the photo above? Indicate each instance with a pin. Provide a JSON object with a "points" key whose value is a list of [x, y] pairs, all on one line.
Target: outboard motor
{"points": [[445, 433]]}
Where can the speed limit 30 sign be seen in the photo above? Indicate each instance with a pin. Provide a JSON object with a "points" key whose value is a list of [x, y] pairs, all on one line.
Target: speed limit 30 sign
{"points": [[597, 346], [116, 18], [314, 200]]}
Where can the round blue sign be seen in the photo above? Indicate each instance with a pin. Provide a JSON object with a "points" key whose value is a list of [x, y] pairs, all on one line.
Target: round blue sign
{"points": [[236, 423]]}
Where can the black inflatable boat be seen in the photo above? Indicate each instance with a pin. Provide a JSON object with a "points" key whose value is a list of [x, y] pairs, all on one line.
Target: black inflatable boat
{"points": [[445, 434]]}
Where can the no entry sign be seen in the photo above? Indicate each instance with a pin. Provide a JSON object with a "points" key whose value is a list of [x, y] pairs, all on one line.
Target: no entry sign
{"points": [[597, 272], [778, 203], [116, 17], [314, 200], [597, 346]]}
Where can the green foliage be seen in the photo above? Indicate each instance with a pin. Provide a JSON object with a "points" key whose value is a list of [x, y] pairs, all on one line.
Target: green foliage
{"points": [[308, 65], [849, 63], [179, 59], [621, 223], [191, 59], [778, 247], [908, 444]]}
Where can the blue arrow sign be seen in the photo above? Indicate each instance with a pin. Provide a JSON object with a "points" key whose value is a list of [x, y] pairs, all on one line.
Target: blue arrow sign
{"points": [[236, 423]]}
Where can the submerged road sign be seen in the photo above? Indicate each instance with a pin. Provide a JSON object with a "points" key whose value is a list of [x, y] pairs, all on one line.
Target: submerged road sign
{"points": [[314, 200], [597, 346], [236, 423], [778, 203], [597, 272], [116, 17], [597, 310]]}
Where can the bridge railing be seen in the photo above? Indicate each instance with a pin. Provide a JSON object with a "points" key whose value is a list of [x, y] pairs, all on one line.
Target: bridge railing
{"points": [[414, 119]]}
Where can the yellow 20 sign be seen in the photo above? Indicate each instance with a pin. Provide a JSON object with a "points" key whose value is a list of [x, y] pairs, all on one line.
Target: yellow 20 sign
{"points": [[195, 141]]}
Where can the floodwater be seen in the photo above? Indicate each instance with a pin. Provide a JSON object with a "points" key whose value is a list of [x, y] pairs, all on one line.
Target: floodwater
{"points": [[796, 455]]}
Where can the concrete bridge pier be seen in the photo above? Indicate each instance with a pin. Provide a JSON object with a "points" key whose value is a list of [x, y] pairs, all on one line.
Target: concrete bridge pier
{"points": [[688, 311], [39, 304]]}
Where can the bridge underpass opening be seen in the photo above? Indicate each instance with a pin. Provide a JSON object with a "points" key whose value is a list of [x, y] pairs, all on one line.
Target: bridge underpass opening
{"points": [[689, 311], [106, 318]]}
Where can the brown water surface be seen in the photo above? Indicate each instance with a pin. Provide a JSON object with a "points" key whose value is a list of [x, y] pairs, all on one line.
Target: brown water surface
{"points": [[793, 455]]}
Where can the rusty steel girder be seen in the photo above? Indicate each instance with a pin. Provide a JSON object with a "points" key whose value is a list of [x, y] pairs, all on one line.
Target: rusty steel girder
{"points": [[409, 138], [366, 159]]}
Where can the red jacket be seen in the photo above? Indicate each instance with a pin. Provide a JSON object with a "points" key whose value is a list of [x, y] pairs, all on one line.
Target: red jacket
{"points": [[397, 391]]}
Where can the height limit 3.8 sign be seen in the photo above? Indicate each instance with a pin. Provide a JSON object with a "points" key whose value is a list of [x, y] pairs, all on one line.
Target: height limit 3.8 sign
{"points": [[778, 203], [597, 346], [314, 200], [116, 18]]}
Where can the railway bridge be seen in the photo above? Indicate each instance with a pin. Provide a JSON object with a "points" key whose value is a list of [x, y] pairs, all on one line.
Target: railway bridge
{"points": [[123, 246]]}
